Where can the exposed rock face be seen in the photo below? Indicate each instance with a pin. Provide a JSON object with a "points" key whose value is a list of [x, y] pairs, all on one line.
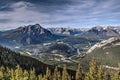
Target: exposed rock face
{"points": [[31, 34]]}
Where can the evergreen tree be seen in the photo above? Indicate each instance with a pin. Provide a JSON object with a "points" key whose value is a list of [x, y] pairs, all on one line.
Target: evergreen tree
{"points": [[86, 77], [107, 75], [79, 73], [7, 74], [25, 75], [1, 73], [59, 76], [65, 75], [55, 76], [48, 73], [18, 73], [100, 73], [44, 78], [40, 77], [32, 75], [92, 74], [12, 76], [117, 74]]}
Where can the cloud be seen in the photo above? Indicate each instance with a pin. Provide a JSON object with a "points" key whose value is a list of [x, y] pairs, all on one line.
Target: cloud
{"points": [[73, 13], [21, 4], [4, 20]]}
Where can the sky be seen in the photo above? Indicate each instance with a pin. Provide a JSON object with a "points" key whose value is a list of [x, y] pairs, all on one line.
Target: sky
{"points": [[59, 13]]}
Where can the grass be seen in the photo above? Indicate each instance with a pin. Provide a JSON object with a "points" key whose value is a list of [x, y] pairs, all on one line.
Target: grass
{"points": [[109, 56]]}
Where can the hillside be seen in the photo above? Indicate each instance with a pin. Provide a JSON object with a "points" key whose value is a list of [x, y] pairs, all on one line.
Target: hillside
{"points": [[11, 59], [106, 52]]}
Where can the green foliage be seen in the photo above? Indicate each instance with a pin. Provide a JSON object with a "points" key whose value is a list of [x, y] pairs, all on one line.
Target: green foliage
{"points": [[92, 74], [32, 75], [108, 55], [14, 66], [95, 73], [117, 74], [25, 75], [79, 73], [1, 73], [56, 75], [100, 73], [65, 75], [48, 73]]}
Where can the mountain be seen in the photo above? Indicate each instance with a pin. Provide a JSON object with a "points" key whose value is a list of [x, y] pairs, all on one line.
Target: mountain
{"points": [[31, 34], [106, 52], [102, 32], [66, 31]]}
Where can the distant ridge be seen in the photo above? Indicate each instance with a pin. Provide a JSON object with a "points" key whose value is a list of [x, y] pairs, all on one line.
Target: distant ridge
{"points": [[66, 31], [102, 32]]}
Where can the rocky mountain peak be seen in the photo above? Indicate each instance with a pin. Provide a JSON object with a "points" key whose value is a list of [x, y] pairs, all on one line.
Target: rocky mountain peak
{"points": [[32, 29], [31, 34]]}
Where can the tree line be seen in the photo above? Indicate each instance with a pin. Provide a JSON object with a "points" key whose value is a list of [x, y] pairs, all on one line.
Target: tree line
{"points": [[95, 72]]}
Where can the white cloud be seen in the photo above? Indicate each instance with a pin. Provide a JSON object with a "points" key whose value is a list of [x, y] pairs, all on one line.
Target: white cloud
{"points": [[79, 13]]}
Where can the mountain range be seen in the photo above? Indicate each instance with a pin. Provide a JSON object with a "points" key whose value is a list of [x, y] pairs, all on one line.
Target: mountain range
{"points": [[64, 45], [36, 34], [67, 31], [102, 32], [31, 34]]}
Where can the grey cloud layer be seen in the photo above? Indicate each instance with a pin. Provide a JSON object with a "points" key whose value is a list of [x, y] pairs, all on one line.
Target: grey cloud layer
{"points": [[76, 13]]}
